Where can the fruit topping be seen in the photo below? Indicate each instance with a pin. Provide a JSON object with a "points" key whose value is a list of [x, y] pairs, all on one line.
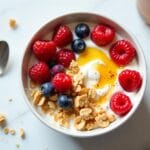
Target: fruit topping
{"points": [[47, 88], [78, 46], [102, 35], [122, 52], [65, 56], [130, 80], [39, 72], [62, 82], [44, 50], [120, 103], [82, 30], [64, 101], [62, 36], [57, 69]]}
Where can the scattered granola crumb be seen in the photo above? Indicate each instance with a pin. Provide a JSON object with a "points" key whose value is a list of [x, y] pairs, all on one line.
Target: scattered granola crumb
{"points": [[2, 119], [10, 99], [17, 145], [6, 130], [22, 133], [13, 23], [12, 131]]}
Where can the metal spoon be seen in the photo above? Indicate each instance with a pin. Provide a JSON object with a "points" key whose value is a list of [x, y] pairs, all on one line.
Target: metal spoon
{"points": [[4, 55]]}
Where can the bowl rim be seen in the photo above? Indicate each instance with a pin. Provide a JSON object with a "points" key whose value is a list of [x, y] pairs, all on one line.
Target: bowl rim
{"points": [[91, 134]]}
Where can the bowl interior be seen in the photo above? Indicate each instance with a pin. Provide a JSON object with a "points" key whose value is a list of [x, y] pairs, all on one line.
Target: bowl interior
{"points": [[44, 33]]}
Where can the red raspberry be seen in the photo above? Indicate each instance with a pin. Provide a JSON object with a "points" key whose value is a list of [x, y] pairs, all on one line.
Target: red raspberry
{"points": [[64, 57], [122, 52], [62, 82], [44, 50], [120, 103], [102, 35], [63, 36], [39, 72], [130, 80]]}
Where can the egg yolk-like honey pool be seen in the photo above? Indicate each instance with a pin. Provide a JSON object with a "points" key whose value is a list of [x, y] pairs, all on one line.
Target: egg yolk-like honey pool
{"points": [[107, 69]]}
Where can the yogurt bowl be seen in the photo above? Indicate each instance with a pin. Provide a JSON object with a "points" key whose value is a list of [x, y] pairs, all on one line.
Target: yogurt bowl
{"points": [[138, 64]]}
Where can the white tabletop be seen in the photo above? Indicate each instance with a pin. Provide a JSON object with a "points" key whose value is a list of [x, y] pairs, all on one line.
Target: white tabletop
{"points": [[30, 15]]}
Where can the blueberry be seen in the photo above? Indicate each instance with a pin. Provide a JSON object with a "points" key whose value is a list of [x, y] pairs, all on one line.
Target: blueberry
{"points": [[78, 46], [47, 89], [57, 69], [82, 30], [64, 101]]}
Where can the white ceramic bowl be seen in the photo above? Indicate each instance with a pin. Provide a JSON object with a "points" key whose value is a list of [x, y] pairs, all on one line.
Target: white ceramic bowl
{"points": [[73, 18]]}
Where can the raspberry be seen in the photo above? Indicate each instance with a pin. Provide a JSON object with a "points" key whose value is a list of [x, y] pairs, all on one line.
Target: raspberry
{"points": [[64, 57], [44, 50], [62, 82], [130, 80], [122, 52], [62, 36], [39, 72], [120, 103], [102, 35]]}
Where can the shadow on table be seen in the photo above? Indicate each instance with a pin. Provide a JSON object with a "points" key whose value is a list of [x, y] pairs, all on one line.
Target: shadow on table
{"points": [[133, 135]]}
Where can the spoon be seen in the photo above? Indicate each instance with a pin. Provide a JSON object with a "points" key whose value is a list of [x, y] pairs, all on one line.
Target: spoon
{"points": [[4, 55]]}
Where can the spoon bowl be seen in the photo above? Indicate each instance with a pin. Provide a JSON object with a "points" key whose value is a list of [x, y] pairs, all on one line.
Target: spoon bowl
{"points": [[4, 55]]}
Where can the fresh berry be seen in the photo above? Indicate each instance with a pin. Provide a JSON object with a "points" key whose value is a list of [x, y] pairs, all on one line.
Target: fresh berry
{"points": [[120, 103], [122, 52], [62, 36], [39, 72], [62, 82], [44, 50], [82, 30], [130, 80], [64, 57], [78, 46], [57, 69], [64, 101], [47, 88], [102, 35]]}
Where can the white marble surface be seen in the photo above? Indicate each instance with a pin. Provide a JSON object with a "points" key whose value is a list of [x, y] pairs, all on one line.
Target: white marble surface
{"points": [[30, 15]]}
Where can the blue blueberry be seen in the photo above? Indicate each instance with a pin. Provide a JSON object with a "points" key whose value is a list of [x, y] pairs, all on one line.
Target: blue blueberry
{"points": [[57, 69], [64, 101], [82, 30], [47, 89], [78, 46]]}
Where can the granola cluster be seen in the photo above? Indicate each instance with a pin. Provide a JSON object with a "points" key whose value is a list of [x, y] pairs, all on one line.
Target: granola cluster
{"points": [[2, 119], [85, 112]]}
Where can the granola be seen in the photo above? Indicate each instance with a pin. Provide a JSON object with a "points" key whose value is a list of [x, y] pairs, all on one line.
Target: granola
{"points": [[12, 131], [86, 113], [2, 119], [6, 130], [22, 133], [13, 23]]}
